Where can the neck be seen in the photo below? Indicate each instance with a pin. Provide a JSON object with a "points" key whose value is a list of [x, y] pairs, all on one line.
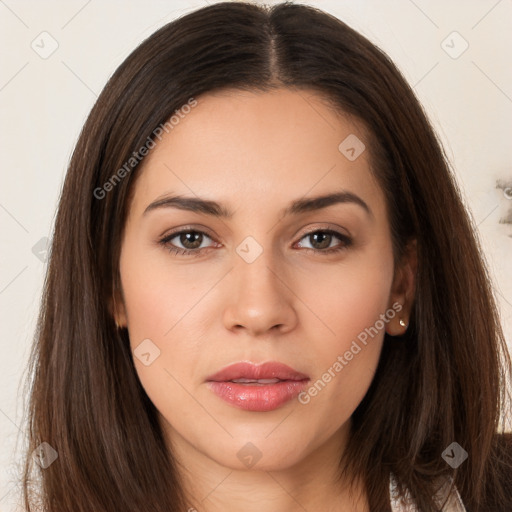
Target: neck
{"points": [[311, 484]]}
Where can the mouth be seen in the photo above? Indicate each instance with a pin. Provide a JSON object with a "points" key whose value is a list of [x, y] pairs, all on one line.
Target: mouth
{"points": [[261, 382], [257, 388]]}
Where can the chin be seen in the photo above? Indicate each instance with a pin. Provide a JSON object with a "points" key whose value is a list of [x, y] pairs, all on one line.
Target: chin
{"points": [[260, 454]]}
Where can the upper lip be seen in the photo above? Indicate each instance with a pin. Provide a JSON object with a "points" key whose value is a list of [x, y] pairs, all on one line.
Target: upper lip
{"points": [[248, 370]]}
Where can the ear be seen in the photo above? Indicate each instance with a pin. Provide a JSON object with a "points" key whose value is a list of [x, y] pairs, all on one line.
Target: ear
{"points": [[403, 289], [117, 309]]}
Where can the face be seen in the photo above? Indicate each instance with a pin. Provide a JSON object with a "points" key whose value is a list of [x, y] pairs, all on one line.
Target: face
{"points": [[264, 275]]}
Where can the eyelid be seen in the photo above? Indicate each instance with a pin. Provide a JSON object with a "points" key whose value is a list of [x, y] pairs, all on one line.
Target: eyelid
{"points": [[187, 227], [325, 226]]}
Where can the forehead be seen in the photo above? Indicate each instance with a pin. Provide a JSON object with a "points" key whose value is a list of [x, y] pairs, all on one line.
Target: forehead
{"points": [[262, 146]]}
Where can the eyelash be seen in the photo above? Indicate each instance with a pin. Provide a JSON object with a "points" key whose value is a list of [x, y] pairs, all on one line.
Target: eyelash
{"points": [[347, 242]]}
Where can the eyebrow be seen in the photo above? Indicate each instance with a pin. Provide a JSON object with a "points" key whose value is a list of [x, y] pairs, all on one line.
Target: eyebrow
{"points": [[215, 209]]}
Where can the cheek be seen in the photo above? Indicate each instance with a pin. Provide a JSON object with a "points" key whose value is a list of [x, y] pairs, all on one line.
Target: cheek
{"points": [[158, 297], [348, 334], [165, 314], [349, 299]]}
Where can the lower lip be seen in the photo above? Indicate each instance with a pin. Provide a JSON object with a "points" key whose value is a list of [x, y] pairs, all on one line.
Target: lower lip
{"points": [[258, 397]]}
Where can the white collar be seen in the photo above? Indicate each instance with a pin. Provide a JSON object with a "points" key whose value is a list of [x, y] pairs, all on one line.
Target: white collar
{"points": [[454, 503]]}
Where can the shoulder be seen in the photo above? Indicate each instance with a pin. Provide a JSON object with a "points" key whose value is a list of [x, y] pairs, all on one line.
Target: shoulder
{"points": [[497, 493], [503, 459]]}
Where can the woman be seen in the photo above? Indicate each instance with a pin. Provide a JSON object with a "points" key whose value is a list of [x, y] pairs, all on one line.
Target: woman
{"points": [[264, 292]]}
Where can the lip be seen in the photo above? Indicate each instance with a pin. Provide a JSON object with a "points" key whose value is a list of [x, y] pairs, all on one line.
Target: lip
{"points": [[263, 387]]}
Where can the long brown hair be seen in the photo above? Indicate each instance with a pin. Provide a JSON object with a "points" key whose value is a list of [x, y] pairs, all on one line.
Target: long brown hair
{"points": [[444, 381]]}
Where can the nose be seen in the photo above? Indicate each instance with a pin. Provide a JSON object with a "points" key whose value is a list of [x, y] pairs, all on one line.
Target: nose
{"points": [[260, 299]]}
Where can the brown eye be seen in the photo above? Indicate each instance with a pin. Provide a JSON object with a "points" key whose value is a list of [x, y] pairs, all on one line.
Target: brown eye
{"points": [[321, 238], [190, 240], [321, 241]]}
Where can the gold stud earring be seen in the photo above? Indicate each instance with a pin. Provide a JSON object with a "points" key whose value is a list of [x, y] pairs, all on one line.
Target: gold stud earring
{"points": [[402, 323]]}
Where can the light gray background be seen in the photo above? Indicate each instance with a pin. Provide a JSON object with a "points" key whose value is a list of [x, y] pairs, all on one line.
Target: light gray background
{"points": [[44, 102]]}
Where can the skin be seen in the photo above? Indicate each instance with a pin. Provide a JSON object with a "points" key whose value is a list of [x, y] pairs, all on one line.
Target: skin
{"points": [[255, 153]]}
